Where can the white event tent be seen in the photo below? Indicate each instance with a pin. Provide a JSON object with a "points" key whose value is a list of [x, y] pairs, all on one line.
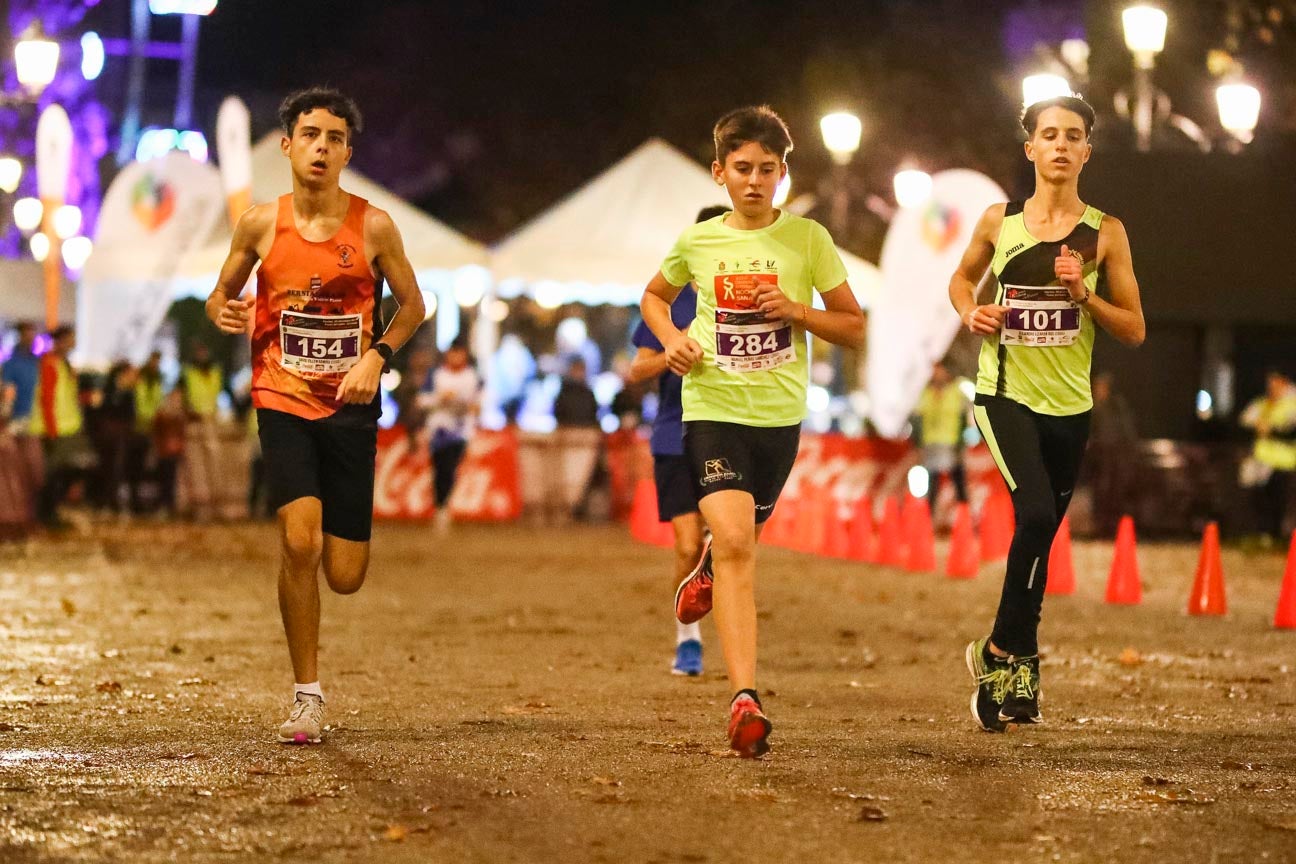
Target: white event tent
{"points": [[605, 241]]}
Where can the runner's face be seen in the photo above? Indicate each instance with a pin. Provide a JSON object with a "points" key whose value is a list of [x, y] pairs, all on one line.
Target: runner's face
{"points": [[1059, 148], [319, 148], [751, 175]]}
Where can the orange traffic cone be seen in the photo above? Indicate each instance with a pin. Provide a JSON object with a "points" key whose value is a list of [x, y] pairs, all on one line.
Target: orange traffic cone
{"points": [[643, 512], [861, 531], [1123, 585], [1285, 616], [1061, 569], [996, 526], [1207, 596], [890, 546], [921, 552], [963, 561]]}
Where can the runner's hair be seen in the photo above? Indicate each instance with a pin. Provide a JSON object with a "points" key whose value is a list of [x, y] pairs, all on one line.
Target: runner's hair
{"points": [[757, 123], [1030, 116], [333, 101]]}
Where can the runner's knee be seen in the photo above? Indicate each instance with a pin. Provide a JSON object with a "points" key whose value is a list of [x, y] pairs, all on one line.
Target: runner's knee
{"points": [[302, 546], [348, 581]]}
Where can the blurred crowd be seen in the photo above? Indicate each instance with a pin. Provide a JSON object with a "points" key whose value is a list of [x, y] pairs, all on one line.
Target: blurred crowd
{"points": [[133, 441]]}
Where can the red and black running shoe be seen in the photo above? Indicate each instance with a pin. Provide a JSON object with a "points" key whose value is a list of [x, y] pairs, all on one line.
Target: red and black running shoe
{"points": [[749, 728], [693, 596]]}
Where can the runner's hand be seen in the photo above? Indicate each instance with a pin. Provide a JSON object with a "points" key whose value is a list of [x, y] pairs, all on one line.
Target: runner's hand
{"points": [[233, 316], [361, 381], [1070, 273], [776, 305], [683, 354], [985, 320]]}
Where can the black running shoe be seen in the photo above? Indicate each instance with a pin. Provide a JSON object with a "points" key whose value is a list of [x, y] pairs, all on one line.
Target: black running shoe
{"points": [[1021, 705], [993, 678]]}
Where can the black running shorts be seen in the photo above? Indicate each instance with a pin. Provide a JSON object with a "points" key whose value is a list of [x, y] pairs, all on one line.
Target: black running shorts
{"points": [[752, 459], [675, 493], [331, 459]]}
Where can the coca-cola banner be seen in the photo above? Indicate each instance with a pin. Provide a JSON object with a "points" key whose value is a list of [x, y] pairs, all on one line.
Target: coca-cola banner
{"points": [[402, 476], [487, 488]]}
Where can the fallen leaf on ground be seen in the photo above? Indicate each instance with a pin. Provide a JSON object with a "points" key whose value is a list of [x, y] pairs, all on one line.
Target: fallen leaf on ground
{"points": [[176, 649], [109, 686], [1149, 780], [395, 833], [1130, 657], [69, 608], [605, 781]]}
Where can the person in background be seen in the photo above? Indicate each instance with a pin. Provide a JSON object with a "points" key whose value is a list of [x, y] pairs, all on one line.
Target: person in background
{"points": [[1268, 471], [18, 381], [415, 384], [202, 382], [942, 417], [1112, 439], [169, 432], [575, 405], [58, 422], [452, 406], [113, 429], [149, 392]]}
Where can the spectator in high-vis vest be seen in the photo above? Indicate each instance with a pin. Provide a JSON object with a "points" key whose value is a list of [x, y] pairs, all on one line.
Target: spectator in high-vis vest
{"points": [[202, 382], [942, 417], [149, 392], [56, 420], [1269, 470]]}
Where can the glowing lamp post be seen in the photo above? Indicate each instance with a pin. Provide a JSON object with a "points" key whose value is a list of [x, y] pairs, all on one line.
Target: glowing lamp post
{"points": [[35, 59], [53, 164], [841, 136], [1037, 88], [1145, 29], [1239, 109], [912, 187], [10, 173]]}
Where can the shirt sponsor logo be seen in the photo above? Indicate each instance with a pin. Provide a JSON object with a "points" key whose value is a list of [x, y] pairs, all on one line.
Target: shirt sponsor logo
{"points": [[346, 255], [1014, 250]]}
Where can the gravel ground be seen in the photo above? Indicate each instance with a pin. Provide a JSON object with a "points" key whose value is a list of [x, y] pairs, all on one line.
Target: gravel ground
{"points": [[503, 695]]}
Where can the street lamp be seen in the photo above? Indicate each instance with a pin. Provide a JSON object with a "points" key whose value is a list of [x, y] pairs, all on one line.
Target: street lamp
{"points": [[10, 173], [35, 59], [841, 135], [912, 187], [1239, 109], [27, 214], [1037, 88], [1145, 29]]}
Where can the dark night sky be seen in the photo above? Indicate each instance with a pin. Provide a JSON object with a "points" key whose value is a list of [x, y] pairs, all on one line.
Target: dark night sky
{"points": [[487, 113]]}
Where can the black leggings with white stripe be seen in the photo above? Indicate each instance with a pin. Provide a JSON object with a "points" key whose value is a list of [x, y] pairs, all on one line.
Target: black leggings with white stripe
{"points": [[1039, 457]]}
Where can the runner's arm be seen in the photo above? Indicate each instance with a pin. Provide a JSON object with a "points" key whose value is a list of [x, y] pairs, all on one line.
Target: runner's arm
{"points": [[384, 239], [1122, 316], [646, 365], [840, 322], [986, 319], [224, 307], [682, 352], [360, 383]]}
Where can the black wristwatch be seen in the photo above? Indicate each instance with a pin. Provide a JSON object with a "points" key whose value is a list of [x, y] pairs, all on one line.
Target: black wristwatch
{"points": [[385, 351]]}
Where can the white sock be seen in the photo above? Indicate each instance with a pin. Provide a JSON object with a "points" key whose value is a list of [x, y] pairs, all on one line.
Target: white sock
{"points": [[311, 689], [685, 632]]}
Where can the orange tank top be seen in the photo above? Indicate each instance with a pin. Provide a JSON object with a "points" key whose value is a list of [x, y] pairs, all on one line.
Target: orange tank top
{"points": [[314, 315]]}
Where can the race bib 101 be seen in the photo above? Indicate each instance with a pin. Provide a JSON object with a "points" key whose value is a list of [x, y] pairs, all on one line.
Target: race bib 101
{"points": [[1039, 317], [319, 345]]}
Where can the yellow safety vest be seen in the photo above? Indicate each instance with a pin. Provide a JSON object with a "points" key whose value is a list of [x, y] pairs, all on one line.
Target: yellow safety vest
{"points": [[148, 398], [67, 409], [1278, 451], [202, 389]]}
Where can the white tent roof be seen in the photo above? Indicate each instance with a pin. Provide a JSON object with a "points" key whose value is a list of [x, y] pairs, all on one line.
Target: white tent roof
{"points": [[429, 243], [609, 237]]}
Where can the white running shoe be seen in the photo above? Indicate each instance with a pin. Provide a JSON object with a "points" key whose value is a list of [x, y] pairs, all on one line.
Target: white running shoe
{"points": [[306, 723]]}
